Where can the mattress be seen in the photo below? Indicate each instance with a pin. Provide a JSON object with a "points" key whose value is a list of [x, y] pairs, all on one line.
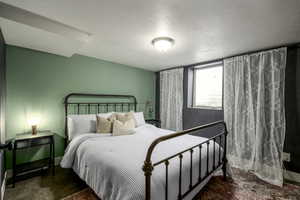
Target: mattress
{"points": [[112, 165]]}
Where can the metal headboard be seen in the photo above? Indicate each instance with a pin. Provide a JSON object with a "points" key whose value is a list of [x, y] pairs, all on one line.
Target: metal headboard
{"points": [[120, 103]]}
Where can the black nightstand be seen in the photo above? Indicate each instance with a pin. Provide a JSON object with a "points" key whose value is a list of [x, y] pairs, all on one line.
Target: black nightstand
{"points": [[24, 141], [155, 122]]}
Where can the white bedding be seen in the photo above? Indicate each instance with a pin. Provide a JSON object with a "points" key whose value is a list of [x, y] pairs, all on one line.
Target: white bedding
{"points": [[112, 165]]}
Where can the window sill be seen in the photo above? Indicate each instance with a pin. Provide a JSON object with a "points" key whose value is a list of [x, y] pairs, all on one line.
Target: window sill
{"points": [[206, 108]]}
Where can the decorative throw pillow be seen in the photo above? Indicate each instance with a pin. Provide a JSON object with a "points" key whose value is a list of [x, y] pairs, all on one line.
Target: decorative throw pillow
{"points": [[104, 125], [125, 117], [123, 128]]}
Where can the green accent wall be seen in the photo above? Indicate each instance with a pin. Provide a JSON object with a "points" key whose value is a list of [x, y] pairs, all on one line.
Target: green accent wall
{"points": [[37, 82]]}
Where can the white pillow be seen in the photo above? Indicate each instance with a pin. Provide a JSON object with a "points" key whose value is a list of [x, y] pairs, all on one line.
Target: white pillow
{"points": [[79, 124], [105, 115], [139, 119]]}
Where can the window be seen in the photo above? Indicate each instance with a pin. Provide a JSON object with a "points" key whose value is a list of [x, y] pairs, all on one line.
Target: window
{"points": [[208, 86]]}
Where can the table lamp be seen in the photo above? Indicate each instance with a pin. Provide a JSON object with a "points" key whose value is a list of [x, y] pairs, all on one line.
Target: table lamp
{"points": [[33, 122]]}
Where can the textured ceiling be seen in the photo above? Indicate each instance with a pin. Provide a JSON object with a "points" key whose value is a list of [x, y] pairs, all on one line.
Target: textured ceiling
{"points": [[121, 31]]}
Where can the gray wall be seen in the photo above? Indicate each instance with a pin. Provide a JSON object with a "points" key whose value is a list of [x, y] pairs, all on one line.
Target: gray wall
{"points": [[194, 116], [292, 109], [2, 99]]}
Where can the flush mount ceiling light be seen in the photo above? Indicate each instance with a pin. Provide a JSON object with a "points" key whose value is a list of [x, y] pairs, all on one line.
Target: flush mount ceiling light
{"points": [[163, 43]]}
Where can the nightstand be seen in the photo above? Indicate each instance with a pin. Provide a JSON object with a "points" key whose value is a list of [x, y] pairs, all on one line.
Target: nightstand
{"points": [[155, 122], [24, 141]]}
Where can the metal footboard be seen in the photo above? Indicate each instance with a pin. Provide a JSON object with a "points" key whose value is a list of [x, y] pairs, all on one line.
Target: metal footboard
{"points": [[222, 161]]}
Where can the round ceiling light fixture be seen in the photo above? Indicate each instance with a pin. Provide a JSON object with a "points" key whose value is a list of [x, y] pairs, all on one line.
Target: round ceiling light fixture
{"points": [[163, 43]]}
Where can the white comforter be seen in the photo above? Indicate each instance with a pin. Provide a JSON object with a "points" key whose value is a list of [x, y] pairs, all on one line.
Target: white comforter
{"points": [[112, 166]]}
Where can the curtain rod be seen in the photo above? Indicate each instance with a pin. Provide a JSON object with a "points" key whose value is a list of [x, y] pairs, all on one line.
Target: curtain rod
{"points": [[297, 45]]}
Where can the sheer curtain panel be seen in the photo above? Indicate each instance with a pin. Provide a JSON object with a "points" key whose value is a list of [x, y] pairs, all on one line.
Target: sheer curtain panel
{"points": [[254, 112], [171, 99]]}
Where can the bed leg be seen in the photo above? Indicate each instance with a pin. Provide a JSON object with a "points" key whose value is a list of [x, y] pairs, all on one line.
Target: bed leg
{"points": [[148, 168], [224, 169]]}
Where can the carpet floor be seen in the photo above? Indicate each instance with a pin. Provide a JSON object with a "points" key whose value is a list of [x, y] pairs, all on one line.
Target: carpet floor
{"points": [[65, 185]]}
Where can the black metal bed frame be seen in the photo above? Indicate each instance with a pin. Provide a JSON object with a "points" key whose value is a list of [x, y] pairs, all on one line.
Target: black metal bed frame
{"points": [[131, 104], [148, 166]]}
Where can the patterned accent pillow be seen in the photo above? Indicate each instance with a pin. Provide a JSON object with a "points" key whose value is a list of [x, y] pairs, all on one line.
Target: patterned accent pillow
{"points": [[104, 125], [125, 117], [123, 128]]}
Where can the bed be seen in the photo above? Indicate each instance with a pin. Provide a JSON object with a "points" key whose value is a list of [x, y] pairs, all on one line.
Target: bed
{"points": [[153, 163]]}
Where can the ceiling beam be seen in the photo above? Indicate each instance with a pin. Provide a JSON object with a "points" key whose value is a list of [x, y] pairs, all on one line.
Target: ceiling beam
{"points": [[37, 21]]}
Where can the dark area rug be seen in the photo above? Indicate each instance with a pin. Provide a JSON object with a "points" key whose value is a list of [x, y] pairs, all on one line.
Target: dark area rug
{"points": [[246, 186], [243, 186], [85, 194]]}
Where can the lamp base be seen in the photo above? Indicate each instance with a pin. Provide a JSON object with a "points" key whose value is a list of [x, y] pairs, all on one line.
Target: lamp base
{"points": [[34, 130]]}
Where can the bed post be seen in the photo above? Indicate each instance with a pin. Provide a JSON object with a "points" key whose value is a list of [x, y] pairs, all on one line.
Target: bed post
{"points": [[148, 168], [224, 167], [66, 120]]}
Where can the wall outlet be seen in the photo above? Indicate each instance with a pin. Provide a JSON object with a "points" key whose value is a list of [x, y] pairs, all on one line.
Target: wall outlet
{"points": [[286, 157]]}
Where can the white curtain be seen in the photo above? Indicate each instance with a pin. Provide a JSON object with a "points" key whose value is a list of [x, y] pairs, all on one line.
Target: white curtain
{"points": [[254, 112], [171, 99]]}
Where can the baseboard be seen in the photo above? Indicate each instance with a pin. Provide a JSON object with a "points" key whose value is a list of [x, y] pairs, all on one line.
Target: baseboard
{"points": [[56, 163], [3, 186], [292, 176]]}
